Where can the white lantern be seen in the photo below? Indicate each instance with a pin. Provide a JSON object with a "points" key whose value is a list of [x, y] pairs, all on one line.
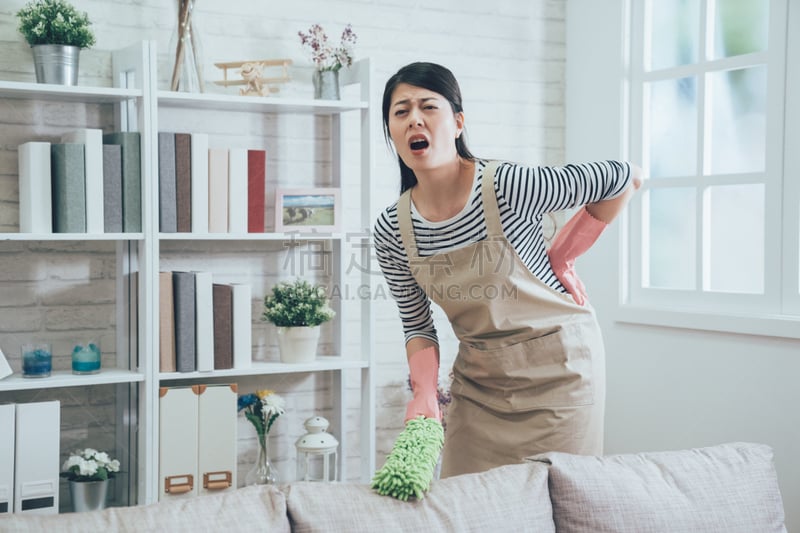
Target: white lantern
{"points": [[316, 452]]}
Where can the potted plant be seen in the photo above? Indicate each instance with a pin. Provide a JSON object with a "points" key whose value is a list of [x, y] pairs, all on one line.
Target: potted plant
{"points": [[328, 60], [297, 308], [88, 472], [56, 32]]}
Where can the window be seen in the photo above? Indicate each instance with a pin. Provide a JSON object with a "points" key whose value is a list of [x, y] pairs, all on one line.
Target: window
{"points": [[715, 228]]}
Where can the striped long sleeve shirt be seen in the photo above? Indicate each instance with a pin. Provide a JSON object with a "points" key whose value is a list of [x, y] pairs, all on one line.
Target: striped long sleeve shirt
{"points": [[524, 195]]}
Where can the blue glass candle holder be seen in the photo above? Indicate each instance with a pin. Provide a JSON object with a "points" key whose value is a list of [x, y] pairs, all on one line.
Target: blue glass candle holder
{"points": [[86, 358], [37, 360]]}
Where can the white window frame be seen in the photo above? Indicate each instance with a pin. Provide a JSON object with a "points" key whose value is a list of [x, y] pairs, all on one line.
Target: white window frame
{"points": [[777, 311]]}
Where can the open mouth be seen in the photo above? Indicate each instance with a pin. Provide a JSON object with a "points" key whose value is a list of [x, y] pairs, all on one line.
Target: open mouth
{"points": [[419, 144]]}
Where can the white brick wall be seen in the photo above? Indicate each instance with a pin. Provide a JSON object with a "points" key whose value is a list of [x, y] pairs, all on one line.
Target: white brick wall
{"points": [[508, 57]]}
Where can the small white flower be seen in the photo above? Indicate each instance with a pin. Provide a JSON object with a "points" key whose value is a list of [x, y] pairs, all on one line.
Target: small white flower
{"points": [[102, 458], [72, 461], [113, 466], [87, 468]]}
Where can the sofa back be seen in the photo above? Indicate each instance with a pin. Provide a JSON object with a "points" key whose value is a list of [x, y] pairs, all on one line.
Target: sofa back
{"points": [[729, 488]]}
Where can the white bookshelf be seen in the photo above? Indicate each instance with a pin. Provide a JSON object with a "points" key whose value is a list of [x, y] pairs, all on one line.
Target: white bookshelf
{"points": [[138, 103]]}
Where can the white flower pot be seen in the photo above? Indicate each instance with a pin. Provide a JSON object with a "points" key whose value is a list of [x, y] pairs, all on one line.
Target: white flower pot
{"points": [[298, 344]]}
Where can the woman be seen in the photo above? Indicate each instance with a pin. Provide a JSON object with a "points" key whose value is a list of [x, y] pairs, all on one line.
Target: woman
{"points": [[466, 233]]}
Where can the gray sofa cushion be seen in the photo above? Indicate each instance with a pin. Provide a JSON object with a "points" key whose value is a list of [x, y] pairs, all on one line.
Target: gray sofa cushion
{"points": [[728, 488], [248, 509], [507, 498]]}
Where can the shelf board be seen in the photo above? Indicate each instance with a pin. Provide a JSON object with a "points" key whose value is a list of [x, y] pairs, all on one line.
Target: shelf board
{"points": [[66, 93], [291, 236], [321, 363], [71, 236], [65, 378], [259, 104]]}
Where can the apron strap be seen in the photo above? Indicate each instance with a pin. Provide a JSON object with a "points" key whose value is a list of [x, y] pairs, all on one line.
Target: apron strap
{"points": [[406, 228], [490, 209]]}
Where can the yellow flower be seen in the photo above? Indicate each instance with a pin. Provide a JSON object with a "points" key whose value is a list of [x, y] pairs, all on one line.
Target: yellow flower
{"points": [[264, 393]]}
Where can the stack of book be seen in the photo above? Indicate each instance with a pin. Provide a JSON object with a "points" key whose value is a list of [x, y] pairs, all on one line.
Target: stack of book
{"points": [[203, 326], [209, 190], [90, 182]]}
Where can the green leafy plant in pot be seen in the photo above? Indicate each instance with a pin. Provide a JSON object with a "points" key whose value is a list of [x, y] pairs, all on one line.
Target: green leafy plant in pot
{"points": [[56, 32], [297, 308]]}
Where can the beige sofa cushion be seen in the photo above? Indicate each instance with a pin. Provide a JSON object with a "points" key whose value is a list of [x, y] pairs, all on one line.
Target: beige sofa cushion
{"points": [[248, 510], [508, 498], [728, 488]]}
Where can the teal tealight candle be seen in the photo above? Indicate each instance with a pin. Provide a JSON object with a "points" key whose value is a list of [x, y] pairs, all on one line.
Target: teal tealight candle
{"points": [[37, 360], [86, 359]]}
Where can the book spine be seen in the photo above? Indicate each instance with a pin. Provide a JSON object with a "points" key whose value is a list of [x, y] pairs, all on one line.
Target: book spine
{"points": [[217, 190], [204, 326], [183, 181], [112, 188], [223, 321], [69, 188], [35, 192], [167, 204], [183, 296], [166, 323], [242, 326], [92, 141], [237, 190], [199, 183], [256, 190], [130, 144]]}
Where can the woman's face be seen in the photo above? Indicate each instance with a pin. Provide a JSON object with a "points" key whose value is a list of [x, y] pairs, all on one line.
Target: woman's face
{"points": [[423, 127]]}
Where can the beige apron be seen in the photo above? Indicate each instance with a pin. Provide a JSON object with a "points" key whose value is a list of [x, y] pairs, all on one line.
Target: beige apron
{"points": [[529, 376]]}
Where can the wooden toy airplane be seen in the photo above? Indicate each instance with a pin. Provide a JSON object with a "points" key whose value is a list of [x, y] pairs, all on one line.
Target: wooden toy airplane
{"points": [[252, 76]]}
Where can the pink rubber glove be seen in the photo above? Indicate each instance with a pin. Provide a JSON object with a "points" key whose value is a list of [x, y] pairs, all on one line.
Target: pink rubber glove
{"points": [[424, 371], [577, 236]]}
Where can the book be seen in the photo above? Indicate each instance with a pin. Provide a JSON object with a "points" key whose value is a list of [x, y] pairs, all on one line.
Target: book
{"points": [[68, 188], [237, 190], [112, 188], [217, 190], [166, 323], [183, 287], [167, 203], [183, 181], [199, 182], [256, 190], [242, 326], [130, 145], [204, 321], [223, 322], [35, 193], [92, 141]]}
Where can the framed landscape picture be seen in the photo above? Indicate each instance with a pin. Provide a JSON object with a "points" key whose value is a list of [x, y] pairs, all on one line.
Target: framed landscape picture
{"points": [[306, 210]]}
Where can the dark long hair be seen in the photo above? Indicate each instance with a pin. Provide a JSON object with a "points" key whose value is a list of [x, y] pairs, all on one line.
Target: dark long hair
{"points": [[435, 78]]}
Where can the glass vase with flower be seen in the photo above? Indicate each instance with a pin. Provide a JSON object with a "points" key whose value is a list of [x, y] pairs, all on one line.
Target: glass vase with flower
{"points": [[262, 408], [328, 59]]}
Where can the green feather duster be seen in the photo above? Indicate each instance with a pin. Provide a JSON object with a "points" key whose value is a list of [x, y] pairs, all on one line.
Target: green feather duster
{"points": [[410, 467]]}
